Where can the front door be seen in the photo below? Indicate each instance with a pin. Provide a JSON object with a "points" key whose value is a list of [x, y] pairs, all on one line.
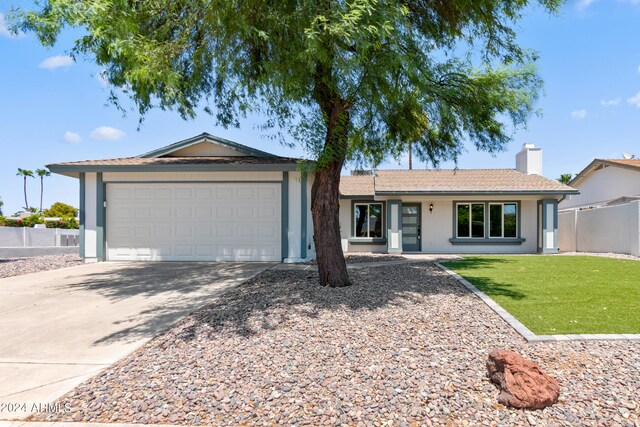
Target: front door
{"points": [[410, 227]]}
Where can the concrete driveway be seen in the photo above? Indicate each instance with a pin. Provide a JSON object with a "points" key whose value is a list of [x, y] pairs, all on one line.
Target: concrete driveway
{"points": [[60, 327]]}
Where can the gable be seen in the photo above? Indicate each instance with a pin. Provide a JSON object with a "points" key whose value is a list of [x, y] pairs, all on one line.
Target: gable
{"points": [[601, 164], [205, 149], [202, 146]]}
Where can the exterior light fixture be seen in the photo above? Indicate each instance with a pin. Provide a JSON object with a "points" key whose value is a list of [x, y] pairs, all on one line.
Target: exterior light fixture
{"points": [[431, 208]]}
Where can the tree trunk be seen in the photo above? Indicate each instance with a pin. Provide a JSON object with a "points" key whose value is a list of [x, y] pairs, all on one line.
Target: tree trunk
{"points": [[41, 191], [325, 209], [325, 197], [26, 203]]}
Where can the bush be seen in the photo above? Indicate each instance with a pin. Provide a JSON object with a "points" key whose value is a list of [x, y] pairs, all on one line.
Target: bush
{"points": [[29, 221], [60, 210], [67, 223], [32, 220], [10, 222]]}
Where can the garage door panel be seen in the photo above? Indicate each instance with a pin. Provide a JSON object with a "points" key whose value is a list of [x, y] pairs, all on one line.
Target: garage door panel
{"points": [[163, 212], [184, 193], [164, 193], [267, 213], [223, 213], [184, 213], [144, 193], [246, 212], [199, 222], [225, 193]]}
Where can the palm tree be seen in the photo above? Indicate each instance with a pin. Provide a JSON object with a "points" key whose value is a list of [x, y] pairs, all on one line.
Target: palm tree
{"points": [[25, 173], [565, 178], [1, 205], [42, 173]]}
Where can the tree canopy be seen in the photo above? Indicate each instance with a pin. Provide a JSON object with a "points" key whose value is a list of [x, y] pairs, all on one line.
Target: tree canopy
{"points": [[355, 80], [61, 210], [393, 64]]}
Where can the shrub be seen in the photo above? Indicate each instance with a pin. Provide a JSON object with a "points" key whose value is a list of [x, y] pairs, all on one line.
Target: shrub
{"points": [[67, 223], [32, 220], [10, 222], [59, 210]]}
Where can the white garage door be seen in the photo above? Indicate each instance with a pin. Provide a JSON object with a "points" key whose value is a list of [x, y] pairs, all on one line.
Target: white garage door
{"points": [[193, 222]]}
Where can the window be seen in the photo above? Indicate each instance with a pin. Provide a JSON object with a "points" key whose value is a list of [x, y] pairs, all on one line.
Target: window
{"points": [[470, 221], [367, 220], [503, 220]]}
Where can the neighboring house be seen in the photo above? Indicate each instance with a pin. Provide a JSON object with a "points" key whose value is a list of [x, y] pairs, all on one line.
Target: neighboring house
{"points": [[209, 199], [453, 211], [605, 182], [201, 199], [605, 216]]}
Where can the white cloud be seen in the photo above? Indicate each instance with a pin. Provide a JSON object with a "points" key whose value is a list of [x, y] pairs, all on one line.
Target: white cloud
{"points": [[72, 137], [579, 114], [107, 133], [610, 102], [57, 61], [584, 4], [635, 100]]}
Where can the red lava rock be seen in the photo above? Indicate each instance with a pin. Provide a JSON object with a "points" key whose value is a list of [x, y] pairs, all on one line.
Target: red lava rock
{"points": [[523, 383]]}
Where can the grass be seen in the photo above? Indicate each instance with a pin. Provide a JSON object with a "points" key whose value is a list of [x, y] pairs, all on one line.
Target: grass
{"points": [[560, 294]]}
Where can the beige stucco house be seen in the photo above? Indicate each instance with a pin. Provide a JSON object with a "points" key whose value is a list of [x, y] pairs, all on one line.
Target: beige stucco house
{"points": [[453, 211], [209, 199]]}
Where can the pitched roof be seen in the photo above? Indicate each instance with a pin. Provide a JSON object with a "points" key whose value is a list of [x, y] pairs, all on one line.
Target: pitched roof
{"points": [[450, 181], [206, 137], [356, 185], [220, 160], [633, 164], [177, 164]]}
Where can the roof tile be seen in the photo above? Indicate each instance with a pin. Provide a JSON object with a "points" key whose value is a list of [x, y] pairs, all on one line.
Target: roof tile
{"points": [[144, 161], [448, 181]]}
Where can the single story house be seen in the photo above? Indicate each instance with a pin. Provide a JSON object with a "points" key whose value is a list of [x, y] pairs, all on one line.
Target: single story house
{"points": [[210, 199], [453, 211], [605, 182]]}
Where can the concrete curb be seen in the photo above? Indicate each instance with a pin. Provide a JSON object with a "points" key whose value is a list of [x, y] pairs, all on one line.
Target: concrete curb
{"points": [[526, 332]]}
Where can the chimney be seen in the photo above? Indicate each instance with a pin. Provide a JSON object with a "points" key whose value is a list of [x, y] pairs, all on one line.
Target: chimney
{"points": [[529, 159]]}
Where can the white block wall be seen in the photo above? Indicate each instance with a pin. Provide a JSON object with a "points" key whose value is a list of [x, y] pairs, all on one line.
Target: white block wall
{"points": [[607, 229]]}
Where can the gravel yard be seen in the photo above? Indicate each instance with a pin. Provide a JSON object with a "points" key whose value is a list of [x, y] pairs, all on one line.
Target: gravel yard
{"points": [[406, 345], [362, 258], [18, 266]]}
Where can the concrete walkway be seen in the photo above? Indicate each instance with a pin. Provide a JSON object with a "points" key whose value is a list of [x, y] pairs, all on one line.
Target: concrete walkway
{"points": [[60, 327]]}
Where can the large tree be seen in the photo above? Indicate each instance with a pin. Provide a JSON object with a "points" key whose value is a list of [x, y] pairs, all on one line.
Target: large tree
{"points": [[349, 80]]}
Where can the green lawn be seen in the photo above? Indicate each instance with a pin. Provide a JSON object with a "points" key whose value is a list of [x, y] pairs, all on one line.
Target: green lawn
{"points": [[560, 294]]}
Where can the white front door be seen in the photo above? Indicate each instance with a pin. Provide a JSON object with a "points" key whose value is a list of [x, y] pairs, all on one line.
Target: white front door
{"points": [[193, 222]]}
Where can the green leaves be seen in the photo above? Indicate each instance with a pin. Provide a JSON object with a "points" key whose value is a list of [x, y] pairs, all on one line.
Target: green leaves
{"points": [[429, 73]]}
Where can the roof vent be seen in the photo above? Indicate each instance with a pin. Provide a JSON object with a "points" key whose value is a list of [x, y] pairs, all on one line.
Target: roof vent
{"points": [[362, 172]]}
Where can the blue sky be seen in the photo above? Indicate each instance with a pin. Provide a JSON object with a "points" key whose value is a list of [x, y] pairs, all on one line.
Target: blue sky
{"points": [[52, 109]]}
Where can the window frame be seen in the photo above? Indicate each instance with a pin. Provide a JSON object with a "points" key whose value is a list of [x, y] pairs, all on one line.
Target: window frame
{"points": [[486, 240], [484, 220], [368, 238], [516, 204]]}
